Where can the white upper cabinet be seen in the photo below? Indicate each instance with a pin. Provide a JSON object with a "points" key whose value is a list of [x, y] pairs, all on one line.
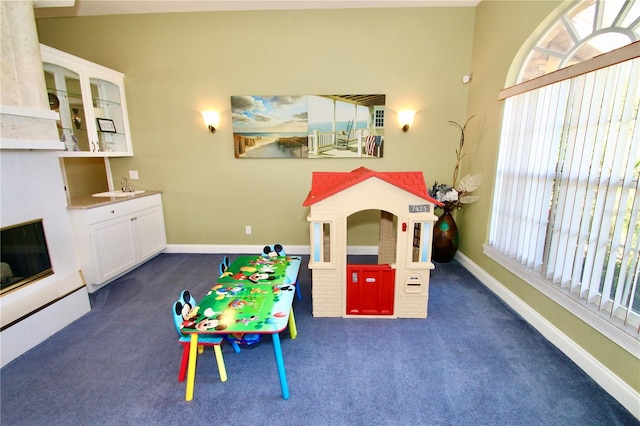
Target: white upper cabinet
{"points": [[91, 102]]}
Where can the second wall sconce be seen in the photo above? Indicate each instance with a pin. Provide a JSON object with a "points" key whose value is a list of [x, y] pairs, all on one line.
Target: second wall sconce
{"points": [[211, 119], [406, 119]]}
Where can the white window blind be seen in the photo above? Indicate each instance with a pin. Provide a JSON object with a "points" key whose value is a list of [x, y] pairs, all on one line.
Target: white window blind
{"points": [[566, 198]]}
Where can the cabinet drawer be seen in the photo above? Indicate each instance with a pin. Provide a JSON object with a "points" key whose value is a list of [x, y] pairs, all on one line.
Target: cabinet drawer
{"points": [[122, 208], [102, 213]]}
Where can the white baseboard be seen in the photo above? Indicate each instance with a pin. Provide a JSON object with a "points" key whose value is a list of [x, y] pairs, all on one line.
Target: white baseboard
{"points": [[236, 249], [609, 381], [228, 249]]}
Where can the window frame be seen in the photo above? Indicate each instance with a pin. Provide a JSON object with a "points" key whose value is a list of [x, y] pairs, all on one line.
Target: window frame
{"points": [[424, 225], [571, 37], [319, 228], [609, 326], [378, 117]]}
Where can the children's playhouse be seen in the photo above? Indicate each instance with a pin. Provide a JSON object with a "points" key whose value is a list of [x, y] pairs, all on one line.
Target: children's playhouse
{"points": [[398, 285]]}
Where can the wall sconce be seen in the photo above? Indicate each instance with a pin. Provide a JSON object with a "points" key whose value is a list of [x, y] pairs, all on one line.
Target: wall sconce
{"points": [[406, 119], [211, 119]]}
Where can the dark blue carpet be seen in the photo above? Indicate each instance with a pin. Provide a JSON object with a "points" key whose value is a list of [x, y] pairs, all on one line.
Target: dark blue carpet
{"points": [[471, 362]]}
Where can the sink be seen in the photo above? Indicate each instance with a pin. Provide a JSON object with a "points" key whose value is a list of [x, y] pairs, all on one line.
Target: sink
{"points": [[117, 194]]}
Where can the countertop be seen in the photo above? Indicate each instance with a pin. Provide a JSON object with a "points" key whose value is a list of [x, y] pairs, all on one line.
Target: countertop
{"points": [[88, 202]]}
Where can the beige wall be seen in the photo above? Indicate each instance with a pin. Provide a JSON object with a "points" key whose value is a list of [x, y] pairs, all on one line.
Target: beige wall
{"points": [[177, 65], [501, 29], [85, 176]]}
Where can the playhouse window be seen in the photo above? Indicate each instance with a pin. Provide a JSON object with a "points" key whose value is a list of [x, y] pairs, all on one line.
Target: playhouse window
{"points": [[421, 246], [321, 250]]}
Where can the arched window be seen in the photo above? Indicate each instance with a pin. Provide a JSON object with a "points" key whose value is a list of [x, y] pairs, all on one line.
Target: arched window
{"points": [[565, 214], [588, 29]]}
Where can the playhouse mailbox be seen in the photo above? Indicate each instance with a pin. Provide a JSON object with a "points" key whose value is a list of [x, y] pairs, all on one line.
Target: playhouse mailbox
{"points": [[414, 282]]}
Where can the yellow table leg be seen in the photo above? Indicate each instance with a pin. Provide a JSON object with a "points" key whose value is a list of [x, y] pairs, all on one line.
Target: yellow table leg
{"points": [[293, 331], [220, 360], [200, 349], [191, 370]]}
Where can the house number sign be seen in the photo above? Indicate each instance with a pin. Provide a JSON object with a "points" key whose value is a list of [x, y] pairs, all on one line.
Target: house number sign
{"points": [[419, 208]]}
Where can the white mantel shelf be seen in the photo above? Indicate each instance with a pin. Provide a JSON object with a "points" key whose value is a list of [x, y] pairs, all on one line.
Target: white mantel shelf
{"points": [[30, 144], [29, 112], [19, 144]]}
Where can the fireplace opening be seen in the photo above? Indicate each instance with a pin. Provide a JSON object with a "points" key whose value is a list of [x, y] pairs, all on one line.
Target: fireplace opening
{"points": [[24, 255]]}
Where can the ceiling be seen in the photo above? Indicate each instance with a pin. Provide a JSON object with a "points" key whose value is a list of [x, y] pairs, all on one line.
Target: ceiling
{"points": [[52, 8]]}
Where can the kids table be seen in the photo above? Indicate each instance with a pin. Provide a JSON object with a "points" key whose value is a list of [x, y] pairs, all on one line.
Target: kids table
{"points": [[253, 296]]}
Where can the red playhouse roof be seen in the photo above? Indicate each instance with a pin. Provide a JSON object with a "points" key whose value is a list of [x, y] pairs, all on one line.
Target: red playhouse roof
{"points": [[326, 184]]}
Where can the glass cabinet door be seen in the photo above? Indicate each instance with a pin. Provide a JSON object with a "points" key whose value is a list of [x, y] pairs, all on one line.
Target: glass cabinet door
{"points": [[65, 97], [92, 106], [108, 112]]}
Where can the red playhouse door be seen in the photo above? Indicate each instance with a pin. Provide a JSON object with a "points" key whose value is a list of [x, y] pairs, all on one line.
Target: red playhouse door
{"points": [[370, 289]]}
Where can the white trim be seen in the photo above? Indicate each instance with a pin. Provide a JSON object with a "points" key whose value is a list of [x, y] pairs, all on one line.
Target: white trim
{"points": [[29, 144], [594, 319], [97, 8], [211, 249], [21, 111], [236, 249], [53, 3], [362, 250], [622, 54], [609, 381]]}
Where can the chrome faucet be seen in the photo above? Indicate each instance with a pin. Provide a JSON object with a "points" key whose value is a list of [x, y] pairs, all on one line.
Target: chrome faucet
{"points": [[125, 185]]}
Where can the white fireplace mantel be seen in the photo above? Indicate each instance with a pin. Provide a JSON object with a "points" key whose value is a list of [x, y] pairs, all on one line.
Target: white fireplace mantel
{"points": [[23, 127]]}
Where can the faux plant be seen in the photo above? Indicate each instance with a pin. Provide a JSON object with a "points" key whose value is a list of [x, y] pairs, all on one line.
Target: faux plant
{"points": [[457, 194]]}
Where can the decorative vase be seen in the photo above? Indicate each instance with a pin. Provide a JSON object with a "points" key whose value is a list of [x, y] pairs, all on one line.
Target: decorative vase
{"points": [[445, 238], [76, 118]]}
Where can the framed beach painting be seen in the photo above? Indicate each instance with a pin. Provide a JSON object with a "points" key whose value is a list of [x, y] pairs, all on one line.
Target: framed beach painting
{"points": [[308, 126]]}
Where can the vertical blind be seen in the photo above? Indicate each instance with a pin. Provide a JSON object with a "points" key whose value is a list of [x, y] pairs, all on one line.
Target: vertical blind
{"points": [[566, 198]]}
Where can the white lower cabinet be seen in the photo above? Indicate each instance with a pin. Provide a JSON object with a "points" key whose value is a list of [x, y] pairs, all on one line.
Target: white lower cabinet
{"points": [[115, 238]]}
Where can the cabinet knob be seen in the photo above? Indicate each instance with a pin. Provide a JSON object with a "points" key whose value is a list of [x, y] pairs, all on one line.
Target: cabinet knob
{"points": [[113, 211]]}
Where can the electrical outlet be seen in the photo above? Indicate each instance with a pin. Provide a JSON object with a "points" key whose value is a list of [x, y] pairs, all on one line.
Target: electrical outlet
{"points": [[133, 174], [247, 230]]}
